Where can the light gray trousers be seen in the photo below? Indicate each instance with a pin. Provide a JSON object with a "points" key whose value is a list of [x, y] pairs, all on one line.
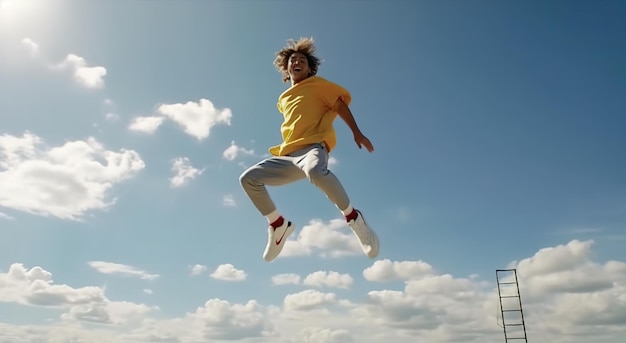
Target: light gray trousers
{"points": [[310, 162]]}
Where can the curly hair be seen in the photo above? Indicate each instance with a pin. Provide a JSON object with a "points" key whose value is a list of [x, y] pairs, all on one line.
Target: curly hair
{"points": [[304, 46]]}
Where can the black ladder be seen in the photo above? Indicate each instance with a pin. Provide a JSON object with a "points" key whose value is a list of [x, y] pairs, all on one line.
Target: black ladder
{"points": [[511, 305]]}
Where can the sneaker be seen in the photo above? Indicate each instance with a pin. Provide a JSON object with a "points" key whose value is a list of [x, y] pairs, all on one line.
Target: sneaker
{"points": [[276, 239], [367, 237]]}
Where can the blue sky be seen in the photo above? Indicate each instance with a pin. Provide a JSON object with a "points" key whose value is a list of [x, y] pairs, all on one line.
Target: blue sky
{"points": [[124, 126]]}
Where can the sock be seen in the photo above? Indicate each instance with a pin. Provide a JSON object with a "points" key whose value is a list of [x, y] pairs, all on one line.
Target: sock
{"points": [[278, 222], [350, 213]]}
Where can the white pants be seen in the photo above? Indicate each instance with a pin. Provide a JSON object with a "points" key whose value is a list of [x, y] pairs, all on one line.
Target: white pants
{"points": [[310, 162]]}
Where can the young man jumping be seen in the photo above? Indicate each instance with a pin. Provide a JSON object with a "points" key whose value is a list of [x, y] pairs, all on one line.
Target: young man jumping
{"points": [[309, 108]]}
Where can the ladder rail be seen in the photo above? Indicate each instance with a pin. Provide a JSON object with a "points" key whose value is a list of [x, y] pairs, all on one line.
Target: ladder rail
{"points": [[519, 299], [501, 307]]}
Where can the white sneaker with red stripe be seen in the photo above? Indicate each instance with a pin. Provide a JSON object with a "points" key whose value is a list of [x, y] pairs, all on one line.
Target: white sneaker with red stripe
{"points": [[367, 237], [276, 239]]}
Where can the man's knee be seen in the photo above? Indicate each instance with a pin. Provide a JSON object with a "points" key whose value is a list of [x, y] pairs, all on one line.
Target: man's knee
{"points": [[316, 174], [247, 177]]}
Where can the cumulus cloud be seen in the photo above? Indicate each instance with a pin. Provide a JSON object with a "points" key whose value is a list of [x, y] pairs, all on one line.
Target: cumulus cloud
{"points": [[196, 118], [145, 124], [229, 200], [59, 332], [233, 151], [323, 335], [34, 287], [183, 172], [325, 239], [112, 117], [308, 300], [564, 282], [426, 306], [65, 181], [218, 319], [386, 270], [121, 269], [6, 216], [31, 45], [197, 269], [85, 75], [227, 272], [285, 279], [328, 279], [107, 312]]}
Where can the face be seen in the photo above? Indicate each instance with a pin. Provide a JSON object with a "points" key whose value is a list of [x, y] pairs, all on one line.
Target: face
{"points": [[298, 67]]}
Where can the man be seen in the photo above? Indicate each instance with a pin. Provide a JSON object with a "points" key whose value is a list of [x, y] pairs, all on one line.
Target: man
{"points": [[309, 108]]}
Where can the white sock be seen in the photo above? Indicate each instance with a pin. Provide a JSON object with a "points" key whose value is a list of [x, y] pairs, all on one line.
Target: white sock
{"points": [[272, 216], [347, 210]]}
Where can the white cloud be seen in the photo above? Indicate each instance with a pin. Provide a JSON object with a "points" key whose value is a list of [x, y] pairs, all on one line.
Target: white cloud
{"points": [[386, 270], [234, 150], [308, 300], [568, 268], [58, 332], [31, 45], [326, 239], [6, 216], [555, 259], [197, 269], [145, 124], [218, 319], [285, 279], [322, 335], [196, 118], [428, 307], [65, 181], [90, 77], [112, 117], [332, 161], [229, 200], [148, 291], [122, 269], [183, 172], [215, 320], [328, 279], [227, 272], [34, 287], [106, 312]]}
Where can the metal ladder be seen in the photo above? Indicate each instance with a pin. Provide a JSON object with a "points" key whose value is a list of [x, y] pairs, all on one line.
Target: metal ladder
{"points": [[511, 305]]}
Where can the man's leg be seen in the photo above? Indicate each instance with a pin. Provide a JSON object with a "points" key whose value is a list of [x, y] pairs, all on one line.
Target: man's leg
{"points": [[314, 164], [274, 171]]}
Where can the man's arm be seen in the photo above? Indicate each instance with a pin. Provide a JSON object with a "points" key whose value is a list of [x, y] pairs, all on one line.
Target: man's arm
{"points": [[344, 112]]}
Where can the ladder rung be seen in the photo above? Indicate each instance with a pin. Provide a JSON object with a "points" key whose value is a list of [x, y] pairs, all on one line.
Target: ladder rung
{"points": [[515, 338], [510, 296], [511, 310], [506, 283], [513, 324]]}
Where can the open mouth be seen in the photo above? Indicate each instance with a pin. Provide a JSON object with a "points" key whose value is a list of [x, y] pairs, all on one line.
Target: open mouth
{"points": [[297, 69]]}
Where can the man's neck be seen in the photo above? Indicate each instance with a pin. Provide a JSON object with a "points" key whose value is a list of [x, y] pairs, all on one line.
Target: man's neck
{"points": [[293, 83]]}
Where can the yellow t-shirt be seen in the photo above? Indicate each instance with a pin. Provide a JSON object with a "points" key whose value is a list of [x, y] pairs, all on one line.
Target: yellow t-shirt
{"points": [[308, 114]]}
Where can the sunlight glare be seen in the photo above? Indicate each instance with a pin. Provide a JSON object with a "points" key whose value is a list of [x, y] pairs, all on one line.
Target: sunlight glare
{"points": [[18, 14]]}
